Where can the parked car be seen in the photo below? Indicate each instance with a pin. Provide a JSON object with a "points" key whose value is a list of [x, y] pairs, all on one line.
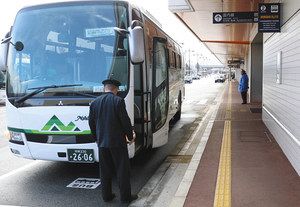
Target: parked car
{"points": [[219, 78], [188, 79], [196, 77]]}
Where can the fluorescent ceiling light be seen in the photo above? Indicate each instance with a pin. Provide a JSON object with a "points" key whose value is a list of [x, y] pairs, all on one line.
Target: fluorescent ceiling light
{"points": [[180, 6]]}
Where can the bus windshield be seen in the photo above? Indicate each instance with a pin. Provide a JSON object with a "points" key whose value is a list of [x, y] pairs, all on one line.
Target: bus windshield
{"points": [[71, 43], [2, 80]]}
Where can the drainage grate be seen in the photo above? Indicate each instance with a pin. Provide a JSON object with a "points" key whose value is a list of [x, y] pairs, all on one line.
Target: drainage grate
{"points": [[256, 110], [254, 136], [179, 158]]}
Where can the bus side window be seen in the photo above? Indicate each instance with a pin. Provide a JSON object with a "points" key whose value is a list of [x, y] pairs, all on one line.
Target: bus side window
{"points": [[136, 15], [171, 59], [161, 95], [175, 59], [178, 61]]}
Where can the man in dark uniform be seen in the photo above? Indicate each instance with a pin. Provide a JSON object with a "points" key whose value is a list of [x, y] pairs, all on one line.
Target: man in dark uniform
{"points": [[110, 124]]}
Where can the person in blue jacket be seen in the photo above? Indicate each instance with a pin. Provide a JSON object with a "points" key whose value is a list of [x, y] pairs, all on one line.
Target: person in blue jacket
{"points": [[243, 86]]}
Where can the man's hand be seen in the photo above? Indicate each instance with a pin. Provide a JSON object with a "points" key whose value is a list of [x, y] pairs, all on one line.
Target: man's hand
{"points": [[133, 138], [134, 135]]}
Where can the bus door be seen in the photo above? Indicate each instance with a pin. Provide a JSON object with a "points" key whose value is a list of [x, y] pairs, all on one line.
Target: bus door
{"points": [[160, 88], [141, 100]]}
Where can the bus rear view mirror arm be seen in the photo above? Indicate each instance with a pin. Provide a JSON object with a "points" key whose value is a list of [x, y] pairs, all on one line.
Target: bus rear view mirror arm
{"points": [[122, 32], [6, 40], [19, 46], [3, 54], [136, 23]]}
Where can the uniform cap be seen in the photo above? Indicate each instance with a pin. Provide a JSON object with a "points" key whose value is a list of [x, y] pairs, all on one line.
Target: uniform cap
{"points": [[112, 82]]}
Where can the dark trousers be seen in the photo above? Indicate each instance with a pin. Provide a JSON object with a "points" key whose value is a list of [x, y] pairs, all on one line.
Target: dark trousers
{"points": [[111, 160], [244, 96]]}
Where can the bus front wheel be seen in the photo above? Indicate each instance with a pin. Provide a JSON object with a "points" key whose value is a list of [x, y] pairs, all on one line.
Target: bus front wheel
{"points": [[177, 116]]}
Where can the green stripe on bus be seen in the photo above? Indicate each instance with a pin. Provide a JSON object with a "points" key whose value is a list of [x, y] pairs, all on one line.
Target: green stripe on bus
{"points": [[30, 131]]}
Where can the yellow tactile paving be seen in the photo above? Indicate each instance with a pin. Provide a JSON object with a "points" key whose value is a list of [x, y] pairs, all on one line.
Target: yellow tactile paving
{"points": [[223, 186]]}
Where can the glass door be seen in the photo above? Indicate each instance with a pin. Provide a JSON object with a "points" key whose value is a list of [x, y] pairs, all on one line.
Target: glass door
{"points": [[160, 86]]}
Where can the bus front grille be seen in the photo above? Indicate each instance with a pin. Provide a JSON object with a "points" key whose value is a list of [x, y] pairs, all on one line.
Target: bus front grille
{"points": [[60, 139]]}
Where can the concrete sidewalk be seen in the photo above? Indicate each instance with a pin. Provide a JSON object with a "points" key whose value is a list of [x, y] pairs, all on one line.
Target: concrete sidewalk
{"points": [[259, 174], [231, 159]]}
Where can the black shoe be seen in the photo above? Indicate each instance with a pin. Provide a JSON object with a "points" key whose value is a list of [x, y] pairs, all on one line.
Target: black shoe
{"points": [[110, 198], [244, 103], [133, 197]]}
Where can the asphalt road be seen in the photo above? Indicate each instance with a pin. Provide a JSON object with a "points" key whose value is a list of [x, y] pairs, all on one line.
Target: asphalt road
{"points": [[43, 183]]}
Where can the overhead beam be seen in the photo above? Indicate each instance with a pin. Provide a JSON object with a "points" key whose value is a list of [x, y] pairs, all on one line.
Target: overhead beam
{"points": [[227, 42]]}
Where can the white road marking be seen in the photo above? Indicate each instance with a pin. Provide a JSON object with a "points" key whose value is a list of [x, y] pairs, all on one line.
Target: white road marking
{"points": [[186, 182], [85, 183], [18, 170]]}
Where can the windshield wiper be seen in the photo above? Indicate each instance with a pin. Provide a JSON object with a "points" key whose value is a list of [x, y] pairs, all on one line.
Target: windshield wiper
{"points": [[83, 94], [41, 89]]}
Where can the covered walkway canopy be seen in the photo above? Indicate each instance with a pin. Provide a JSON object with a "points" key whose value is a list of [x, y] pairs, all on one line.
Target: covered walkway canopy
{"points": [[226, 41], [271, 59]]}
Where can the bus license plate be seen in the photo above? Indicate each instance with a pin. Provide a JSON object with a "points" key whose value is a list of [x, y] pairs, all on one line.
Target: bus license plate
{"points": [[81, 155]]}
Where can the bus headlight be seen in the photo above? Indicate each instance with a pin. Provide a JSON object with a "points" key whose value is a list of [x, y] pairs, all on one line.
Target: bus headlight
{"points": [[16, 136], [6, 134]]}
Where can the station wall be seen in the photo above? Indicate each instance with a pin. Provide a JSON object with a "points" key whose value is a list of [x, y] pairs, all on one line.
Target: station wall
{"points": [[281, 102]]}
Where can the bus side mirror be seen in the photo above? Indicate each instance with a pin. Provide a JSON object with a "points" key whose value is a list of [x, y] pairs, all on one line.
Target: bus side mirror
{"points": [[136, 45], [3, 56]]}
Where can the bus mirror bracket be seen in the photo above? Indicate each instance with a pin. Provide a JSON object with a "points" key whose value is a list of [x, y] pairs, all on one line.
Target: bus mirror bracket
{"points": [[3, 55], [136, 45]]}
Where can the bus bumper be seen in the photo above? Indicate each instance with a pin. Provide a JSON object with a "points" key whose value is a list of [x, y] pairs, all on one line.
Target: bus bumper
{"points": [[58, 152], [20, 150], [55, 152]]}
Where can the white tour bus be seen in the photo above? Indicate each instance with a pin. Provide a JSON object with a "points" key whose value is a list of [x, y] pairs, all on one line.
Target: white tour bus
{"points": [[56, 56]]}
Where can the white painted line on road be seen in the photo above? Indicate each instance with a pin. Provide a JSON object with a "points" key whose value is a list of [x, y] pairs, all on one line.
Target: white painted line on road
{"points": [[202, 102], [85, 183], [212, 110], [155, 187], [18, 170], [146, 193], [191, 139], [183, 189], [186, 182]]}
